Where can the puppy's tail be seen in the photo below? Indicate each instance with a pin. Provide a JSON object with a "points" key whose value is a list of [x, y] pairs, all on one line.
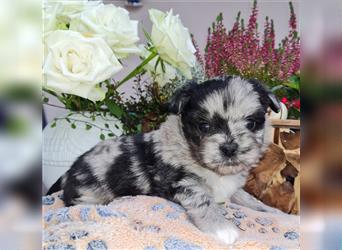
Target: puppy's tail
{"points": [[57, 186]]}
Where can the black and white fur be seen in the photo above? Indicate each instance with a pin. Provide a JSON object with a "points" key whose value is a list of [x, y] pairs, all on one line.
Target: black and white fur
{"points": [[200, 156]]}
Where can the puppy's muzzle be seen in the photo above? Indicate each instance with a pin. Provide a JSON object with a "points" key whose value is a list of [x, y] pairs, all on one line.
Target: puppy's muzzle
{"points": [[229, 149]]}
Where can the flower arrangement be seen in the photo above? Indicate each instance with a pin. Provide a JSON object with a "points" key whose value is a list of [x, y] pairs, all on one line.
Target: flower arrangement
{"points": [[86, 43], [242, 51]]}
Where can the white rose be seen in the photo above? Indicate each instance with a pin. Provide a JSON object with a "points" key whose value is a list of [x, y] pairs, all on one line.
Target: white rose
{"points": [[172, 41], [75, 64], [160, 76], [57, 14], [120, 32]]}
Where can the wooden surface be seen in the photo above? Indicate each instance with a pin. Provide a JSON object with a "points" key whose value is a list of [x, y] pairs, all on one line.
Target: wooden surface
{"points": [[277, 123]]}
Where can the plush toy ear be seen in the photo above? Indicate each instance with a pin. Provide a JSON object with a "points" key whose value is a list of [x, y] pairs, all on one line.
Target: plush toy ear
{"points": [[180, 98]]}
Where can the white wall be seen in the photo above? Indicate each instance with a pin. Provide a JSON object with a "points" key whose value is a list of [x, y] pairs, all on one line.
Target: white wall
{"points": [[198, 16]]}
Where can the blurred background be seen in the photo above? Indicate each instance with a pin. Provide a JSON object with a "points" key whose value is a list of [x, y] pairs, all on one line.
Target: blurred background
{"points": [[321, 70], [20, 124], [21, 112]]}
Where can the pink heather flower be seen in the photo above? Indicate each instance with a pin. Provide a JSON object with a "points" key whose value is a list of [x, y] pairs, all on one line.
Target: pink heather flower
{"points": [[197, 52], [292, 22], [240, 50]]}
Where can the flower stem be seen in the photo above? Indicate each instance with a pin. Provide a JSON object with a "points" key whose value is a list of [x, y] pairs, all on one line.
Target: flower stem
{"points": [[138, 69]]}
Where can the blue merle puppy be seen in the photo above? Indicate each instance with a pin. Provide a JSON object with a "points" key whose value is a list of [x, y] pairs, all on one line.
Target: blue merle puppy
{"points": [[200, 156]]}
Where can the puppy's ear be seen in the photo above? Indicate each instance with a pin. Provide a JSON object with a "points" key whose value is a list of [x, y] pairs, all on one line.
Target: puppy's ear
{"points": [[180, 98], [267, 98]]}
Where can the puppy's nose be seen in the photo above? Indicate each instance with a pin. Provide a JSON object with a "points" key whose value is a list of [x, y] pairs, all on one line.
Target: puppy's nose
{"points": [[229, 149]]}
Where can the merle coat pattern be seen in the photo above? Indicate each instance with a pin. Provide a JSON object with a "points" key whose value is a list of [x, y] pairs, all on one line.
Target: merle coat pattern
{"points": [[200, 156]]}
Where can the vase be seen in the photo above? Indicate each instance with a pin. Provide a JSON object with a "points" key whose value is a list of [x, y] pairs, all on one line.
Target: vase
{"points": [[63, 142], [282, 114]]}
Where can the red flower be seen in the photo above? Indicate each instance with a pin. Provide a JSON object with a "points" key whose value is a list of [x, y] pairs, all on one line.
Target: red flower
{"points": [[296, 104], [284, 100]]}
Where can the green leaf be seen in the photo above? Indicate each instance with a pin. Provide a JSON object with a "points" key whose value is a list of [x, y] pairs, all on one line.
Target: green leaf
{"points": [[138, 69], [156, 65], [219, 18], [275, 88], [114, 108], [111, 135], [294, 78], [106, 125], [292, 85], [45, 100], [53, 125], [147, 35], [73, 125], [88, 127], [139, 128], [102, 137], [162, 65], [68, 120]]}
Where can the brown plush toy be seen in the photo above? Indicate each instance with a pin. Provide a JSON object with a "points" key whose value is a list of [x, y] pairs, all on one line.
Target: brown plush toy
{"points": [[276, 180]]}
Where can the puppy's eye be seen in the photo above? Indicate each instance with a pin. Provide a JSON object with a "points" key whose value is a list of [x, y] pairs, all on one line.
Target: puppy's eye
{"points": [[204, 127], [251, 124], [255, 124]]}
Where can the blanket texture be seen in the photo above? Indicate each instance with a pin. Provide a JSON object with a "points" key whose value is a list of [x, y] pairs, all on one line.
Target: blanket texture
{"points": [[151, 223]]}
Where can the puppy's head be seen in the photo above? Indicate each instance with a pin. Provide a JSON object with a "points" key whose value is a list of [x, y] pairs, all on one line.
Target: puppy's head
{"points": [[224, 122]]}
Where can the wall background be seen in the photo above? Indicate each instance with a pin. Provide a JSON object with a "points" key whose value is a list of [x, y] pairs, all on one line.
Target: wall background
{"points": [[197, 16]]}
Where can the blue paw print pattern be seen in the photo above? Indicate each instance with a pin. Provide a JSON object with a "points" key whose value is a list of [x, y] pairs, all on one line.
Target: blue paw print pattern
{"points": [[48, 200], [106, 212], [48, 216], [84, 213], [236, 222], [291, 235], [250, 224], [178, 244], [277, 248], [97, 245], [152, 228], [275, 230], [264, 221], [62, 214], [48, 236], [239, 214], [78, 234], [176, 207], [150, 248], [172, 215], [262, 230], [157, 207], [60, 246]]}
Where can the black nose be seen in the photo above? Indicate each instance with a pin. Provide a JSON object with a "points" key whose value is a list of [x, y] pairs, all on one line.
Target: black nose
{"points": [[229, 149]]}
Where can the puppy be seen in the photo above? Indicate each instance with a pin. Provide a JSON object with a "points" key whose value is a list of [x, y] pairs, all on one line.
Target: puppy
{"points": [[200, 156]]}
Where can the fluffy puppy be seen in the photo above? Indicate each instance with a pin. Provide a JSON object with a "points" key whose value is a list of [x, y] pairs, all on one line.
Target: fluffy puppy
{"points": [[200, 156]]}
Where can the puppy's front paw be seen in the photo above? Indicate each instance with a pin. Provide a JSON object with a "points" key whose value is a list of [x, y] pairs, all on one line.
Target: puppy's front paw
{"points": [[227, 234]]}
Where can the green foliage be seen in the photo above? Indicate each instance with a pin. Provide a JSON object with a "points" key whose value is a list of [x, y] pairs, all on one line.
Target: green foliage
{"points": [[145, 109], [102, 137]]}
